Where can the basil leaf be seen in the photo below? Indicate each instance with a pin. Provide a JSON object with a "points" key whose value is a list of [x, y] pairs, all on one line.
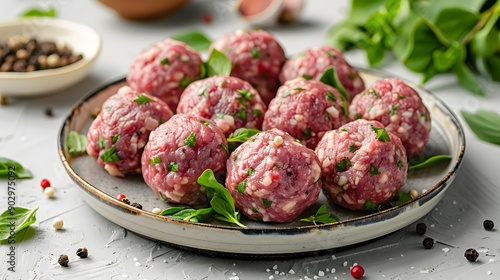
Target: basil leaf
{"points": [[218, 64], [220, 199], [369, 205], [427, 162], [194, 39], [21, 217], [10, 167], [402, 198], [321, 217], [330, 77], [77, 143], [37, 12], [484, 124], [172, 210]]}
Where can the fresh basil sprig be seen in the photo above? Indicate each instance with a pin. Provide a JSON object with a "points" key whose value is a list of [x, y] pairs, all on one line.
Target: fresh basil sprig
{"points": [[77, 143], [331, 78], [23, 217], [484, 124], [239, 136], [194, 39], [220, 199], [218, 64], [188, 214], [428, 37], [321, 217], [9, 167], [420, 163]]}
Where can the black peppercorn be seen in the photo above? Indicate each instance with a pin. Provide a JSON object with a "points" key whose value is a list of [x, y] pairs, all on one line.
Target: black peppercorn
{"points": [[82, 252], [421, 228], [48, 112], [136, 205], [125, 200], [488, 224], [471, 254], [63, 260], [428, 242]]}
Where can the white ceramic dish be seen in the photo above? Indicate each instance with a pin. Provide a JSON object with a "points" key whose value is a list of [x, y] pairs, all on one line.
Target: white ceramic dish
{"points": [[261, 239], [82, 39]]}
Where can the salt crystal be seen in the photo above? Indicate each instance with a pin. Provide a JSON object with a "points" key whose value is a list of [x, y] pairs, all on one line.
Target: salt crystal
{"points": [[275, 267], [402, 255], [271, 277], [291, 271], [282, 273], [454, 202], [164, 260], [333, 270], [433, 225], [316, 277], [446, 250], [136, 259], [412, 267], [124, 275], [234, 264], [345, 263], [390, 259], [451, 225], [321, 273], [137, 264], [333, 257], [276, 272], [267, 270], [234, 278], [492, 260], [489, 272], [234, 273], [424, 271]]}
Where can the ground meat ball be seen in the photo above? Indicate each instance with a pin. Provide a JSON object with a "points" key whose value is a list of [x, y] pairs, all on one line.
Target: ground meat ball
{"points": [[178, 152], [312, 63], [165, 70], [117, 135], [273, 178], [399, 108], [357, 167], [228, 101], [256, 57], [306, 110]]}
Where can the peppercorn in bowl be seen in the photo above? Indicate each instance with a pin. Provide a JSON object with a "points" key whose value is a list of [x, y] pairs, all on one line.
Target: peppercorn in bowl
{"points": [[40, 56]]}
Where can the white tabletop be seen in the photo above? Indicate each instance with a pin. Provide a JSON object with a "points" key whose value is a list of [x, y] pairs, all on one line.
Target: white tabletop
{"points": [[30, 137]]}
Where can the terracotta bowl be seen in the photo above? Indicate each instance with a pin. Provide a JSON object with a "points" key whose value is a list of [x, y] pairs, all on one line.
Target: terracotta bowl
{"points": [[145, 9]]}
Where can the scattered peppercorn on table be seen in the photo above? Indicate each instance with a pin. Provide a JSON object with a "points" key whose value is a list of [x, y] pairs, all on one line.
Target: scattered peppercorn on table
{"points": [[70, 240]]}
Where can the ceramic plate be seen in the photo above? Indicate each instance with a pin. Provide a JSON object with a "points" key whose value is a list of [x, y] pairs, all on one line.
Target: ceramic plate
{"points": [[263, 239]]}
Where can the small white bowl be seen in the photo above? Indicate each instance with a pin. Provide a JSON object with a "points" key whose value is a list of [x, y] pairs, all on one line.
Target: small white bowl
{"points": [[80, 38]]}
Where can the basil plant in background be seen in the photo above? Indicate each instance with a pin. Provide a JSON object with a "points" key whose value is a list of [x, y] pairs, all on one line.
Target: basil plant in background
{"points": [[428, 37]]}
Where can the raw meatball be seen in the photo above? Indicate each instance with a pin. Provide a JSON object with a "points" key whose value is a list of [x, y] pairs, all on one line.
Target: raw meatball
{"points": [[117, 135], [228, 101], [273, 178], [399, 108], [306, 110], [165, 70], [178, 152], [256, 57], [312, 63], [359, 166]]}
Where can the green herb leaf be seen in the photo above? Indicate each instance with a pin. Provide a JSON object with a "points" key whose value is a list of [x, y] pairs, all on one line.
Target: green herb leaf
{"points": [[142, 99], [307, 133], [172, 210], [218, 64], [115, 138], [484, 124], [266, 202], [194, 39], [173, 166], [255, 53], [321, 217], [369, 205], [251, 171], [425, 162], [394, 109], [307, 77], [155, 160], [257, 113], [190, 140], [101, 143], [10, 167], [21, 217], [331, 78], [241, 186], [242, 114], [330, 96], [220, 199], [165, 61], [110, 155], [184, 83], [342, 165], [352, 148], [373, 170], [400, 164], [38, 12], [382, 134], [77, 143], [402, 198]]}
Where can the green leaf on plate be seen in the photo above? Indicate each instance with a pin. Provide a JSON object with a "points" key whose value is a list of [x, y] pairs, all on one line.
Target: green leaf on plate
{"points": [[195, 39], [77, 143], [38, 12], [321, 217], [426, 162], [218, 64], [330, 77]]}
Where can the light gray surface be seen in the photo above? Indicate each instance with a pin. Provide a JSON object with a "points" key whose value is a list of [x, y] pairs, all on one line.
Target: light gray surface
{"points": [[30, 137]]}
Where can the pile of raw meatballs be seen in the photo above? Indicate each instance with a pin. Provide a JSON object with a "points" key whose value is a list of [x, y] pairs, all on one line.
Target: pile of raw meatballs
{"points": [[171, 123]]}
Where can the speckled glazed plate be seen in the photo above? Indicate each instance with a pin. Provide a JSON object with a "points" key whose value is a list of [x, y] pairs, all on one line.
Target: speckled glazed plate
{"points": [[262, 239]]}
